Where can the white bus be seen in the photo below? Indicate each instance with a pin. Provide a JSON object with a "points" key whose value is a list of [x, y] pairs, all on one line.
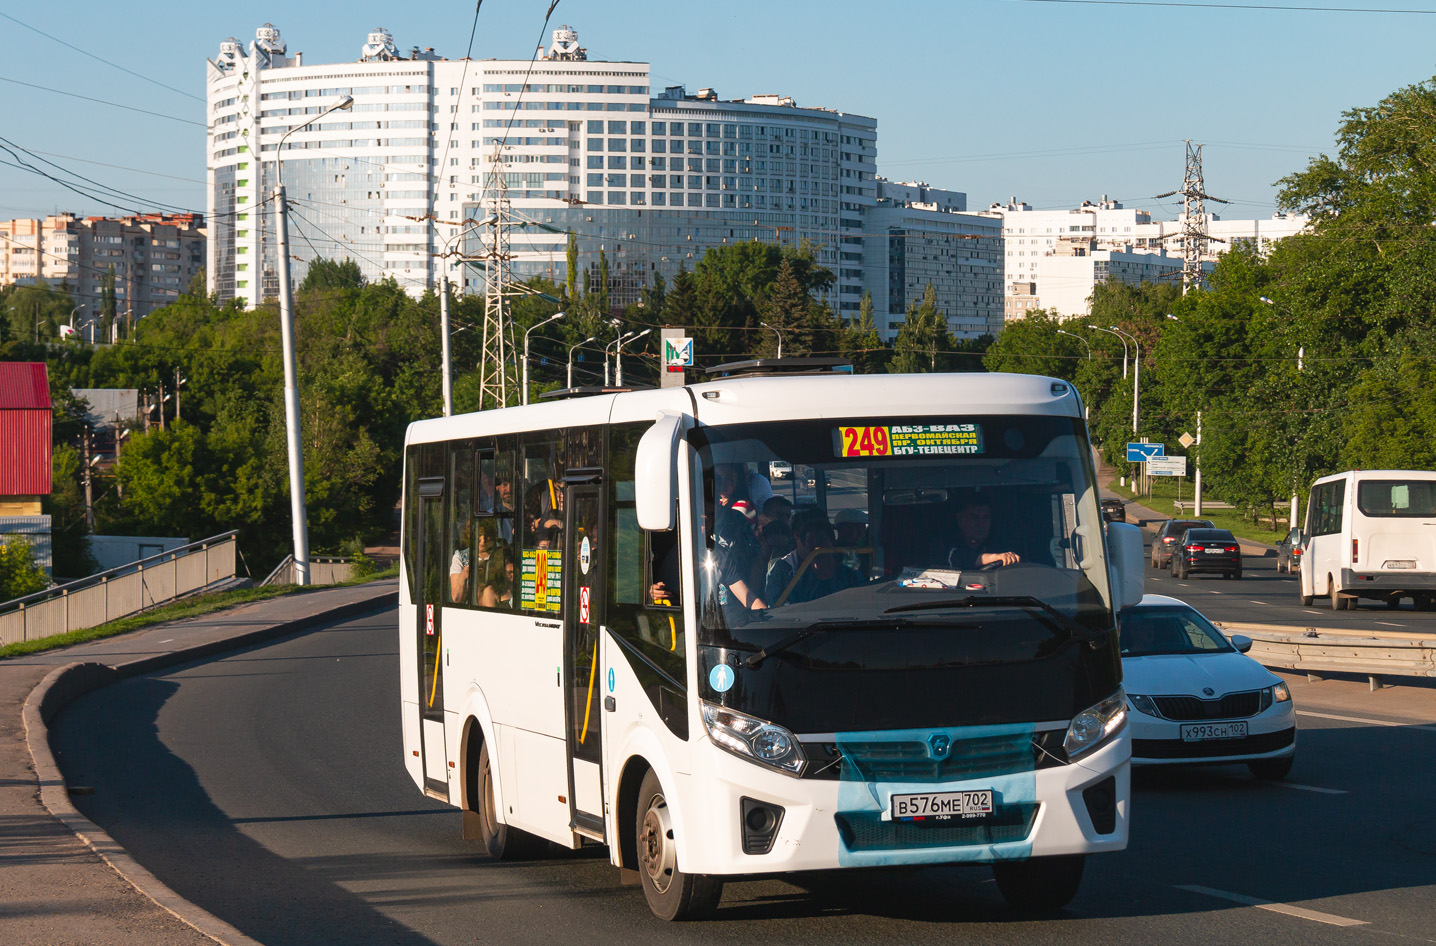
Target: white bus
{"points": [[615, 627], [1371, 534]]}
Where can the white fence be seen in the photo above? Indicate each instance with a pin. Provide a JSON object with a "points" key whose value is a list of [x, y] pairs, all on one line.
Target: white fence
{"points": [[119, 592], [323, 570]]}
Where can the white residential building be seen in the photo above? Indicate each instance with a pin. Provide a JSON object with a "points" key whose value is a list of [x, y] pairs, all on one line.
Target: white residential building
{"points": [[917, 236], [649, 179]]}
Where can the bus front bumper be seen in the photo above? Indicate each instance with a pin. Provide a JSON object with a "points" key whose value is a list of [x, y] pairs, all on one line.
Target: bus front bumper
{"points": [[1077, 808]]}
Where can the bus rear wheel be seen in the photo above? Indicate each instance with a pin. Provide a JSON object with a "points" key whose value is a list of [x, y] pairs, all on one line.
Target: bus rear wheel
{"points": [[1040, 885], [504, 843], [671, 893]]}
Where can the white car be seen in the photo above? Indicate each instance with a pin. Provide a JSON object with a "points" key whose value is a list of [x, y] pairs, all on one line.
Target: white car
{"points": [[779, 469], [1197, 698]]}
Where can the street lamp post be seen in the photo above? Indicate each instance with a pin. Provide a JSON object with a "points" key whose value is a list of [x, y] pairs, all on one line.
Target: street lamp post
{"points": [[775, 332], [72, 320], [618, 356], [1124, 346], [556, 315], [1136, 374], [617, 341], [591, 338], [1080, 339], [291, 368]]}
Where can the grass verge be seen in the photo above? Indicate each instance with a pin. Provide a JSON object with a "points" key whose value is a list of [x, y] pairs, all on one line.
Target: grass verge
{"points": [[1163, 500], [184, 608]]}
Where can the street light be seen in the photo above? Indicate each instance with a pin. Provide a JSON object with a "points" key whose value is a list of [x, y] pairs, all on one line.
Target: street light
{"points": [[1080, 339], [556, 315], [1136, 374], [1124, 346], [617, 341], [591, 338], [775, 332], [618, 356], [72, 321], [291, 368]]}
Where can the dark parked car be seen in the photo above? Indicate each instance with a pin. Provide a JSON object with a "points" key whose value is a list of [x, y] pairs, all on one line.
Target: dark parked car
{"points": [[1288, 552], [1168, 534], [1206, 550], [1114, 510]]}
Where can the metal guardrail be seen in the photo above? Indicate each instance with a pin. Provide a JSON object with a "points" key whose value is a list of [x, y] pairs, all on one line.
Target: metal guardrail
{"points": [[120, 592], [1373, 654], [323, 570]]}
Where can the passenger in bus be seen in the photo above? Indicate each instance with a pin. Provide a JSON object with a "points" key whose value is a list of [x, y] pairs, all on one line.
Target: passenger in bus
{"points": [[973, 547], [825, 572], [487, 564], [665, 569], [776, 538], [544, 506], [459, 565], [776, 509], [738, 558], [504, 507], [736, 481]]}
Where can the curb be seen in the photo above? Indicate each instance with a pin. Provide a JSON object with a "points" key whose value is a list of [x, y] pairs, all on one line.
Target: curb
{"points": [[64, 684]]}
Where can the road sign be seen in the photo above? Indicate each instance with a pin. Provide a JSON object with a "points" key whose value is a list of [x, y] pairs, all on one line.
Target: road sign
{"points": [[1142, 452], [583, 605], [1167, 466], [677, 353], [1186, 440]]}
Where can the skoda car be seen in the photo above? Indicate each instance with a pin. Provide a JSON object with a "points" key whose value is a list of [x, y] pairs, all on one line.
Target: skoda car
{"points": [[1195, 697]]}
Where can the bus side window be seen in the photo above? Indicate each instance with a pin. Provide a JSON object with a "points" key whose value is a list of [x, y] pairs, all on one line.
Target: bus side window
{"points": [[461, 525]]}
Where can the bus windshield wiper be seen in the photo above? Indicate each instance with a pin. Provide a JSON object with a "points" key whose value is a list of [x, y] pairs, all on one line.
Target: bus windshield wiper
{"points": [[1029, 603], [755, 660]]}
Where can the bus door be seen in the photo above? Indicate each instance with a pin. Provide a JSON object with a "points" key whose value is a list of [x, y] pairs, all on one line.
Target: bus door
{"points": [[583, 596], [429, 601]]}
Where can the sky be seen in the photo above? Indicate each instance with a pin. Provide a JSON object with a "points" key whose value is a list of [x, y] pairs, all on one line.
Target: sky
{"points": [[1049, 101]]}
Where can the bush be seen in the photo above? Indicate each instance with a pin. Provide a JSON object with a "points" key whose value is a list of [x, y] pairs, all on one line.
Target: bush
{"points": [[19, 575]]}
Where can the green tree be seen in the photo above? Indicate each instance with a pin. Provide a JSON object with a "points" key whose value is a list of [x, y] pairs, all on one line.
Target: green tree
{"points": [[922, 337], [328, 274], [861, 343], [19, 575], [571, 255]]}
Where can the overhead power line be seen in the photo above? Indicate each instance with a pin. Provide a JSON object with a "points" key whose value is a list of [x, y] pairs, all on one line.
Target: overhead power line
{"points": [[76, 95], [85, 52]]}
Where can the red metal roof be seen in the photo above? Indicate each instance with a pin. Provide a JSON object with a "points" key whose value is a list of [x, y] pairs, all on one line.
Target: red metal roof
{"points": [[24, 386], [24, 429]]}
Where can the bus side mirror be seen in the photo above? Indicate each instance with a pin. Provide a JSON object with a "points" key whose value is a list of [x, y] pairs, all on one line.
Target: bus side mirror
{"points": [[656, 472], [1128, 565]]}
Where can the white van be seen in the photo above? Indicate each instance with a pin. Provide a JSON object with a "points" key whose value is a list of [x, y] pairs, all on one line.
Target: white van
{"points": [[1371, 534]]}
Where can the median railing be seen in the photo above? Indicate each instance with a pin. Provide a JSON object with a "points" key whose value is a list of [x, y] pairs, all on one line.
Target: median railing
{"points": [[1373, 654], [323, 570], [120, 592]]}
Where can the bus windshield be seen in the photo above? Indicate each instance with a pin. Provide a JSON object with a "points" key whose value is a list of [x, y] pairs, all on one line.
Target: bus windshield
{"points": [[982, 521]]}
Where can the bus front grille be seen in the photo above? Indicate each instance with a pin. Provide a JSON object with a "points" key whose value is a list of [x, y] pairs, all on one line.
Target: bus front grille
{"points": [[866, 831]]}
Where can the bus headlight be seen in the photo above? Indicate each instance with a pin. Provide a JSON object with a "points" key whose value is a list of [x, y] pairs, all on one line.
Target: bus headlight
{"points": [[1096, 723], [752, 738]]}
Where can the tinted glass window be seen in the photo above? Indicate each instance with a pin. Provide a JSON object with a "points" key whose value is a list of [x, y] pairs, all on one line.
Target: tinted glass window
{"points": [[1415, 499]]}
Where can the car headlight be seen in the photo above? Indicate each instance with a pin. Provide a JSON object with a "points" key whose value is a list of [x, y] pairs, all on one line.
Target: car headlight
{"points": [[1143, 704], [752, 738], [1095, 724], [1280, 694]]}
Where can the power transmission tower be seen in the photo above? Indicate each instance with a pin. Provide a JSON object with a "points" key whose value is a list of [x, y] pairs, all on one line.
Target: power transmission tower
{"points": [[497, 365], [1193, 235]]}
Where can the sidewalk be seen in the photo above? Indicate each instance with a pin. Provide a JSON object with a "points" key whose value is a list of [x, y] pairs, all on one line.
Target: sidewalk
{"points": [[56, 888]]}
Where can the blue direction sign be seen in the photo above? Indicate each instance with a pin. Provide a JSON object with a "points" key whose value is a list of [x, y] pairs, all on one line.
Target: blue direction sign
{"points": [[1142, 452]]}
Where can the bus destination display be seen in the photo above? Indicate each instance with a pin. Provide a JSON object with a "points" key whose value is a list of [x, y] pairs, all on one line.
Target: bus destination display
{"points": [[541, 579], [909, 440]]}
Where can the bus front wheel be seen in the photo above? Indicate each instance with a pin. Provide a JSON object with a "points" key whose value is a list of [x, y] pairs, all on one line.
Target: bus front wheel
{"points": [[671, 893], [1039, 885]]}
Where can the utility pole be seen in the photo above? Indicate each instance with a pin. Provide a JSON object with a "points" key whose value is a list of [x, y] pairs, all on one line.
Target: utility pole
{"points": [[1193, 235], [178, 381], [444, 336], [1197, 500], [618, 357], [89, 492]]}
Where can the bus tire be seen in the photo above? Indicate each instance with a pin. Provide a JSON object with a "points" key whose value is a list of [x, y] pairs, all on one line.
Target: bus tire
{"points": [[1040, 885], [1338, 601], [671, 893], [504, 843]]}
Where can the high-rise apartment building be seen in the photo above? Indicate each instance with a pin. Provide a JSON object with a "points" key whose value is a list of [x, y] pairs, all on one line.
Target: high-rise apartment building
{"points": [[649, 178], [153, 258]]}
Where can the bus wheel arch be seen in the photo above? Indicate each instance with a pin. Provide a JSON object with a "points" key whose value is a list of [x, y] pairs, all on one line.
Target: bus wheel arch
{"points": [[626, 810]]}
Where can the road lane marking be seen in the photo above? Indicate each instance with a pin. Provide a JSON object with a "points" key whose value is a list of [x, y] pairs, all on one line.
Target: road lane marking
{"points": [[1363, 719], [1312, 612], [167, 640], [1389, 624], [1258, 602], [1312, 788], [1286, 908]]}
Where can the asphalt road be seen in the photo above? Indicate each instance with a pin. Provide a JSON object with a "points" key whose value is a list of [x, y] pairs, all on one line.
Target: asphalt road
{"points": [[268, 787], [1263, 596]]}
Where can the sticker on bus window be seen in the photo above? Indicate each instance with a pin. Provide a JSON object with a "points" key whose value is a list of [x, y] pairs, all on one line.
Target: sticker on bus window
{"points": [[541, 580], [909, 440]]}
